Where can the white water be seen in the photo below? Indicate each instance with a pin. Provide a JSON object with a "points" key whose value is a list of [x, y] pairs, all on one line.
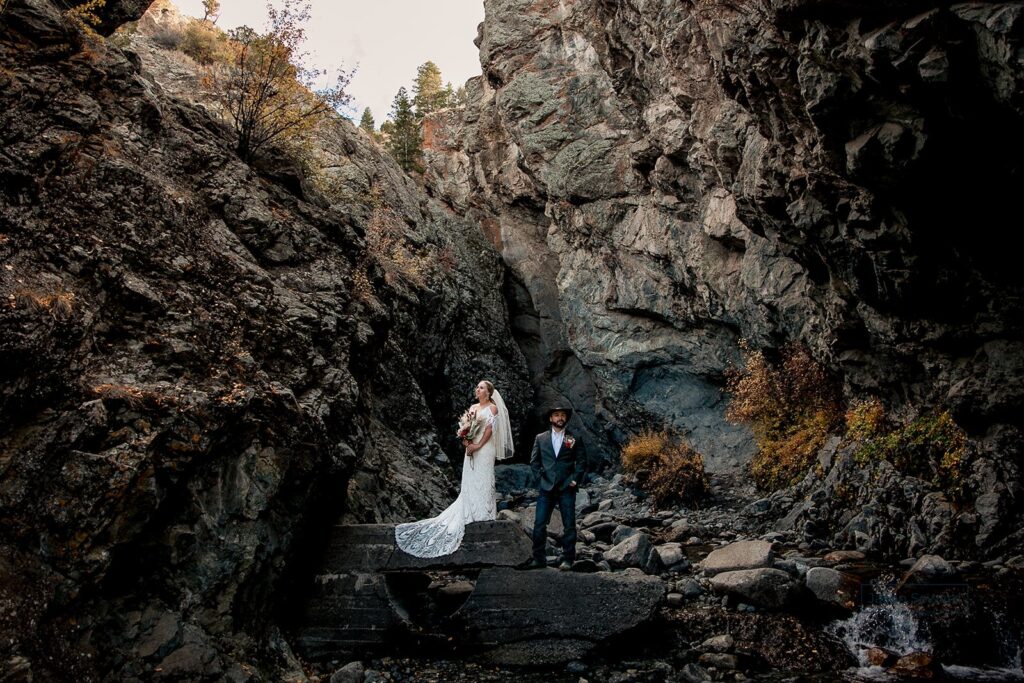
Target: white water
{"points": [[890, 624]]}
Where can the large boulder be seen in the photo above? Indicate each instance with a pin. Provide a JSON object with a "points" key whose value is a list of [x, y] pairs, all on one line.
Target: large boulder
{"points": [[763, 587], [546, 616], [739, 555]]}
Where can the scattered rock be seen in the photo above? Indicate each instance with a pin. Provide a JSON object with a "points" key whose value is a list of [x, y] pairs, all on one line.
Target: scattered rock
{"points": [[719, 643], [352, 672], [739, 555], [837, 556], [917, 665], [833, 587], [719, 660], [635, 551], [763, 587]]}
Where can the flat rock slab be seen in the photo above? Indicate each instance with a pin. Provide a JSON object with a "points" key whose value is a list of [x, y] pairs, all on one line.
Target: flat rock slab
{"points": [[520, 614], [371, 548], [739, 555], [764, 587]]}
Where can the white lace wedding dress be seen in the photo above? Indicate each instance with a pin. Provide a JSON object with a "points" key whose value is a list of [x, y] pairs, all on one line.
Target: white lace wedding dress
{"points": [[442, 535]]}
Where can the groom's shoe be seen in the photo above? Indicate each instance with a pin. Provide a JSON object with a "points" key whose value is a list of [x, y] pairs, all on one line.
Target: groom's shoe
{"points": [[565, 566], [536, 564]]}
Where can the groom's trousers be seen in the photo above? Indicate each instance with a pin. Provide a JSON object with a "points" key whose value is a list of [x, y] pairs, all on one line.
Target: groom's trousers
{"points": [[546, 502]]}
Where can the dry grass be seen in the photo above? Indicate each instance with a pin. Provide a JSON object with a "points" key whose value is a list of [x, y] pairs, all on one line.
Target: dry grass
{"points": [[666, 467], [385, 242], [59, 303], [134, 397]]}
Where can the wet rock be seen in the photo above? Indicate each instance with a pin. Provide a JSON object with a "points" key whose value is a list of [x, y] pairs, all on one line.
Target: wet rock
{"points": [[928, 569], [837, 556], [877, 656], [763, 587], [694, 673], [833, 587], [917, 665], [739, 555]]}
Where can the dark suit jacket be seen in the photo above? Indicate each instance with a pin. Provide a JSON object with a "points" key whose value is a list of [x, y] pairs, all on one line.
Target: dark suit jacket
{"points": [[554, 474]]}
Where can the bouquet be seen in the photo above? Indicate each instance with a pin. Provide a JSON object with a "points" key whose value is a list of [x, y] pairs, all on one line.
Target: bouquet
{"points": [[469, 427]]}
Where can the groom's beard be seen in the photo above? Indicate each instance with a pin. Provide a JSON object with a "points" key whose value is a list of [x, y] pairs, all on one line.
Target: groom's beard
{"points": [[560, 424]]}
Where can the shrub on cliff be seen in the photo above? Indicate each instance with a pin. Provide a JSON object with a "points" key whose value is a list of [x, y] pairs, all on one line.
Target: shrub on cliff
{"points": [[205, 43], [665, 467], [791, 407], [930, 446], [266, 88]]}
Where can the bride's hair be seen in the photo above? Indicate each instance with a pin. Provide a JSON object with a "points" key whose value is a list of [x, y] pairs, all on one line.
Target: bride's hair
{"points": [[490, 387]]}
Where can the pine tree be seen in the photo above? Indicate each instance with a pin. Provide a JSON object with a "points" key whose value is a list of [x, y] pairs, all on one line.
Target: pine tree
{"points": [[367, 123], [428, 91], [448, 100], [404, 143], [461, 97]]}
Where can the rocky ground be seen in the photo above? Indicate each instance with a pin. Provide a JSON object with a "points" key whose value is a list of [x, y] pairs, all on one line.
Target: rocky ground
{"points": [[746, 603]]}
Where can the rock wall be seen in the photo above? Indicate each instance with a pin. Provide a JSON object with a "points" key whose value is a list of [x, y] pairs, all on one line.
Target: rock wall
{"points": [[663, 179], [196, 384]]}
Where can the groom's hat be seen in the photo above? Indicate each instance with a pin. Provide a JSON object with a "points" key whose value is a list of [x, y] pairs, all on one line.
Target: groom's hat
{"points": [[548, 411]]}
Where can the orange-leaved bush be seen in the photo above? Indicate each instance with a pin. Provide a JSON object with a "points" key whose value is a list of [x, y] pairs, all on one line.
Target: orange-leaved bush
{"points": [[791, 406], [666, 467], [931, 446]]}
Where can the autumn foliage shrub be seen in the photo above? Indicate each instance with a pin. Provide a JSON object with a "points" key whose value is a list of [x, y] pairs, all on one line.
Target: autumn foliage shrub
{"points": [[205, 43], [791, 407], [930, 446], [665, 467]]}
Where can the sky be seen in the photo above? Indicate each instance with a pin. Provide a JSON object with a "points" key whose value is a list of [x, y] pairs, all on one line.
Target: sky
{"points": [[384, 39]]}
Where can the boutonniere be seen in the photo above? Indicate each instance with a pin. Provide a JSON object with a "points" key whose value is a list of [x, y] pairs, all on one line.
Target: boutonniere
{"points": [[569, 441]]}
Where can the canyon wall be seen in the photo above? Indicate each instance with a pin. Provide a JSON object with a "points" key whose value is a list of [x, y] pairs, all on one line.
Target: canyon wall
{"points": [[206, 364], [663, 179]]}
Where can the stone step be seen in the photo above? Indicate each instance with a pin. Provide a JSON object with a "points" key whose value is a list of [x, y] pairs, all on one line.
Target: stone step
{"points": [[368, 594], [371, 548]]}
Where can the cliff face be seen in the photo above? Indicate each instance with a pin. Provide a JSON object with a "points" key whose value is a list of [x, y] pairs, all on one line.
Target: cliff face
{"points": [[666, 178], [196, 378]]}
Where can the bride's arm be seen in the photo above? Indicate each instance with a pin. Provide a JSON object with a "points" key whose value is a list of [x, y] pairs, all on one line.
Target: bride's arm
{"points": [[487, 435]]}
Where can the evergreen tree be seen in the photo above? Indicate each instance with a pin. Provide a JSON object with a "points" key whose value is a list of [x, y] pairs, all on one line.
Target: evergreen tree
{"points": [[449, 97], [367, 123], [404, 143], [428, 91], [461, 97]]}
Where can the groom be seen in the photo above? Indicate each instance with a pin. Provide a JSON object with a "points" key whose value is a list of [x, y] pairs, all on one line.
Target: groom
{"points": [[558, 461]]}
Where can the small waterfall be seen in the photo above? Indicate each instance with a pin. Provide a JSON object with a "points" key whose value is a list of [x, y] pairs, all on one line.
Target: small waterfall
{"points": [[888, 623]]}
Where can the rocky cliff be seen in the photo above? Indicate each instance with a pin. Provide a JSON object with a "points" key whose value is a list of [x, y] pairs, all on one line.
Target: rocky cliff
{"points": [[205, 364], [666, 178]]}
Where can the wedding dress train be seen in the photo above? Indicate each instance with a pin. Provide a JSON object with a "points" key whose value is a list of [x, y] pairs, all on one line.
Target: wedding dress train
{"points": [[442, 535]]}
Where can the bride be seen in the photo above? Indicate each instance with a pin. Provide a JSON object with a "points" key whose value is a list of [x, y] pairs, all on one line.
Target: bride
{"points": [[442, 535]]}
